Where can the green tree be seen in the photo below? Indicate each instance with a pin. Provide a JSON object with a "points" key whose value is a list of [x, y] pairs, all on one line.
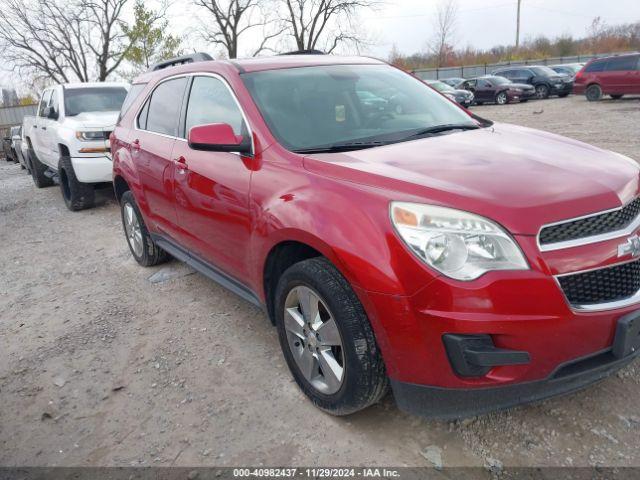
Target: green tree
{"points": [[149, 42]]}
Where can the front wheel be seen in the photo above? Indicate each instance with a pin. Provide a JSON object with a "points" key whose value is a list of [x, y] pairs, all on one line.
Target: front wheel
{"points": [[76, 195], [142, 246], [594, 93], [542, 92], [327, 340], [502, 99]]}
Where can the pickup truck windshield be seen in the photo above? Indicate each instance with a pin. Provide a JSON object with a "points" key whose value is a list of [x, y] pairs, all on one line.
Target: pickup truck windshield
{"points": [[308, 108], [98, 99]]}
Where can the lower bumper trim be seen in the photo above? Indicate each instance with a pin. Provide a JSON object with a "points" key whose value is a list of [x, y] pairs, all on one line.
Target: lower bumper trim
{"points": [[452, 403]]}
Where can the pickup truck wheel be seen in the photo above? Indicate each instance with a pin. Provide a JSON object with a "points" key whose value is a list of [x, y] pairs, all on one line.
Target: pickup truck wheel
{"points": [[142, 246], [76, 195], [327, 339], [37, 170]]}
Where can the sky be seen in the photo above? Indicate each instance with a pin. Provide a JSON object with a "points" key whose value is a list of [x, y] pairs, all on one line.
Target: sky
{"points": [[409, 23]]}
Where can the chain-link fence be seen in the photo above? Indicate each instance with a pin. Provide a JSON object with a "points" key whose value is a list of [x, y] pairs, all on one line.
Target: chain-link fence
{"points": [[472, 71]]}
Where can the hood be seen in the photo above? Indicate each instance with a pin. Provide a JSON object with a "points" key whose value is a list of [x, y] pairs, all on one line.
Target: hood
{"points": [[103, 120], [519, 177], [461, 93]]}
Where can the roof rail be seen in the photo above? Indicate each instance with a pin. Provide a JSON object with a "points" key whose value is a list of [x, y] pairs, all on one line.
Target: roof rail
{"points": [[304, 52], [183, 59]]}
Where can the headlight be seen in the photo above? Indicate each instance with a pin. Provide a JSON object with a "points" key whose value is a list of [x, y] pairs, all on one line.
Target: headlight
{"points": [[458, 244], [92, 136]]}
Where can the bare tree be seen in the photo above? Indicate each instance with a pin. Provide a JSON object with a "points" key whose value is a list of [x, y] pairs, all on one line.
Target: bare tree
{"points": [[323, 24], [445, 26], [233, 18], [62, 41]]}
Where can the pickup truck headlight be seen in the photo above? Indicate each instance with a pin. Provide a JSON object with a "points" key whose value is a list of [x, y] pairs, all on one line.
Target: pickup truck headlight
{"points": [[458, 244], [92, 136]]}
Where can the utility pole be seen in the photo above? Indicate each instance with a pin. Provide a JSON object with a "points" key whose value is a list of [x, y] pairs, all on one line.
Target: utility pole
{"points": [[518, 26]]}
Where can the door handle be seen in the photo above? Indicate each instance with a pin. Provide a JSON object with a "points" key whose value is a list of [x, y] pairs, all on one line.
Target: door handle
{"points": [[181, 164]]}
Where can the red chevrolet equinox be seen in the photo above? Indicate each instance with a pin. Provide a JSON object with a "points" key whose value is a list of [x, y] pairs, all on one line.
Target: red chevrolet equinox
{"points": [[393, 237]]}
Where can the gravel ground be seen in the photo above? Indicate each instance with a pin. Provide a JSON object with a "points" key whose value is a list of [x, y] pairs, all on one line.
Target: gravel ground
{"points": [[103, 362]]}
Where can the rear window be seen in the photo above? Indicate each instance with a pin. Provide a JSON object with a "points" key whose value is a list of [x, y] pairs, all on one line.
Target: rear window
{"points": [[622, 64], [134, 92], [93, 99]]}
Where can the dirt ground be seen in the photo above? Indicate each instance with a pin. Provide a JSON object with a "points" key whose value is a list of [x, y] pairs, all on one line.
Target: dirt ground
{"points": [[103, 362]]}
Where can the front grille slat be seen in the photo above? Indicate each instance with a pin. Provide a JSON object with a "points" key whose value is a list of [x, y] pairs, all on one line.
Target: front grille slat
{"points": [[605, 285], [590, 226]]}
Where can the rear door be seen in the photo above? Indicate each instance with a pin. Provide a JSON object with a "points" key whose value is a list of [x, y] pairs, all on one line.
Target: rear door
{"points": [[484, 90], [620, 73], [151, 147], [49, 127], [212, 188]]}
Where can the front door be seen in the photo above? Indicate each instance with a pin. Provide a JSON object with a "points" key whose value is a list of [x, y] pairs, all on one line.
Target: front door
{"points": [[212, 188]]}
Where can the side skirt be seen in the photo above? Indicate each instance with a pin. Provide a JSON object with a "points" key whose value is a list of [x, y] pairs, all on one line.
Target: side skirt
{"points": [[207, 270]]}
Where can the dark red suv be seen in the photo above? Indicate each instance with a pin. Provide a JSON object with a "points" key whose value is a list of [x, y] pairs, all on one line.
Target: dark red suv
{"points": [[390, 235], [614, 76]]}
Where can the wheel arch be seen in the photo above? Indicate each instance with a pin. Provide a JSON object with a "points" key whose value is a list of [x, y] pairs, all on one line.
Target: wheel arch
{"points": [[120, 186]]}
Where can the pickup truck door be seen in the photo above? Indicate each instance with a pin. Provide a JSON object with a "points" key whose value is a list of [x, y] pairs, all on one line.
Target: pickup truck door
{"points": [[212, 188], [37, 140], [48, 129]]}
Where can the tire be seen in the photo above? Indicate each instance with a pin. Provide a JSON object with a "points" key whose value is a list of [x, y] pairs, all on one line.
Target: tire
{"points": [[37, 169], [563, 95], [347, 344], [76, 195], [542, 91], [145, 251], [593, 93], [616, 96], [502, 98], [524, 100]]}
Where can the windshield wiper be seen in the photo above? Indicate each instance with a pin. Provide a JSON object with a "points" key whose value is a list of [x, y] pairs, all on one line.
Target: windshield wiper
{"points": [[342, 147], [442, 128]]}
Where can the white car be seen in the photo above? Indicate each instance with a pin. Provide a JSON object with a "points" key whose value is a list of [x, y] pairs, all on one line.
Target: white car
{"points": [[69, 138]]}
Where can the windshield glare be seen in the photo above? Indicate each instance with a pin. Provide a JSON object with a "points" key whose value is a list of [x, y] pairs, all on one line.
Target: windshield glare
{"points": [[312, 107], [99, 99], [441, 86], [544, 71], [499, 80]]}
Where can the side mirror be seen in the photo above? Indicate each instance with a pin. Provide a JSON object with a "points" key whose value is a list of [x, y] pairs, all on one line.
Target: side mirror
{"points": [[50, 112], [217, 137]]}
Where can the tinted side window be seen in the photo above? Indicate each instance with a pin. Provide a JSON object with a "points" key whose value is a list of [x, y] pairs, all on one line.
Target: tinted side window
{"points": [[621, 64], [595, 67], [133, 93], [46, 96], [164, 107], [210, 101], [484, 83]]}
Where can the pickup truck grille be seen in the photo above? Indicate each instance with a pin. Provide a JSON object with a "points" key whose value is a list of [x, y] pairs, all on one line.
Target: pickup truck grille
{"points": [[609, 284], [590, 226]]}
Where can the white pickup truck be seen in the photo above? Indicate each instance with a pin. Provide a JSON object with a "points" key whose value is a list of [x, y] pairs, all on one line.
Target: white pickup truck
{"points": [[69, 138]]}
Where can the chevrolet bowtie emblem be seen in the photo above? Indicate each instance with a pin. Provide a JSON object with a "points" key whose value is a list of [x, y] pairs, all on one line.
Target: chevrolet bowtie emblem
{"points": [[630, 247]]}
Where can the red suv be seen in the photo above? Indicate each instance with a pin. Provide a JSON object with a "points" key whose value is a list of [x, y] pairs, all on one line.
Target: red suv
{"points": [[614, 76], [390, 235]]}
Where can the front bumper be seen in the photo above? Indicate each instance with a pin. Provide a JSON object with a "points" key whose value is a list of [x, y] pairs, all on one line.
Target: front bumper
{"points": [[93, 169], [449, 403]]}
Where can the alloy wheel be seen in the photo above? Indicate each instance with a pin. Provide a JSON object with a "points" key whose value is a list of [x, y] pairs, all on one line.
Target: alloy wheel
{"points": [[501, 99], [314, 339], [133, 230], [542, 91]]}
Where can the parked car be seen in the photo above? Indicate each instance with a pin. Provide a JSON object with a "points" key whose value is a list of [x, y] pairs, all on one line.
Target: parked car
{"points": [[568, 69], [23, 157], [545, 81], [69, 137], [499, 90], [454, 258], [463, 97], [16, 141], [614, 76], [453, 81]]}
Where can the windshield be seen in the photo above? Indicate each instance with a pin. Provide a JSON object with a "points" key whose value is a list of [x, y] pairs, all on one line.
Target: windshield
{"points": [[311, 107], [441, 86], [98, 99], [545, 71], [499, 80]]}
